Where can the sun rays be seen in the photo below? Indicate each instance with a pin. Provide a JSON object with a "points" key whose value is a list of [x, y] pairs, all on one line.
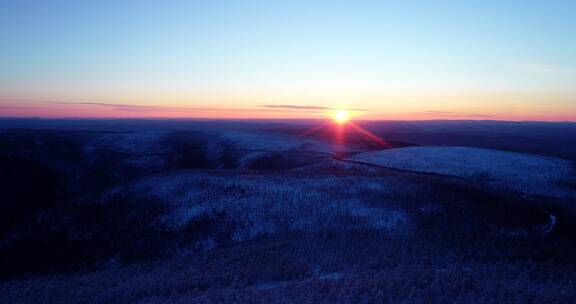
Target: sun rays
{"points": [[342, 131]]}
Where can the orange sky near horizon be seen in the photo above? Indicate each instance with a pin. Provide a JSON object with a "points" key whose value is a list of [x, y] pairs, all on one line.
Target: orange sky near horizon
{"points": [[518, 108]]}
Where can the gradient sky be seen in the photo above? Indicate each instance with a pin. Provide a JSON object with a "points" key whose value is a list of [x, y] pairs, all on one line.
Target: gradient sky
{"points": [[491, 59]]}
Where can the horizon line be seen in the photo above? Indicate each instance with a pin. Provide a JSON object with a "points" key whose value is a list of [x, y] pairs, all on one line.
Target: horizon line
{"points": [[273, 119]]}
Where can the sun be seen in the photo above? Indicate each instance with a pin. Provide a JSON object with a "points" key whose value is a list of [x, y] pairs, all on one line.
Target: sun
{"points": [[341, 116]]}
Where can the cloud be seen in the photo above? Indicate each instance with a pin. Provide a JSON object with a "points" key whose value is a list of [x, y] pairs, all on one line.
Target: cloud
{"points": [[94, 104], [127, 107], [454, 114], [479, 115], [442, 112], [308, 108], [152, 109]]}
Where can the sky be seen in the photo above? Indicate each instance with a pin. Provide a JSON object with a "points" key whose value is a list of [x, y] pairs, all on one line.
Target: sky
{"points": [[427, 59]]}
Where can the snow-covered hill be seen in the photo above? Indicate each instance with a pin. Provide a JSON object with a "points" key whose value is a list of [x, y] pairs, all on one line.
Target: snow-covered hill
{"points": [[254, 204], [523, 173]]}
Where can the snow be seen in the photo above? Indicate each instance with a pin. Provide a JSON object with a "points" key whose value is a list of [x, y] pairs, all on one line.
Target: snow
{"points": [[523, 173], [264, 204]]}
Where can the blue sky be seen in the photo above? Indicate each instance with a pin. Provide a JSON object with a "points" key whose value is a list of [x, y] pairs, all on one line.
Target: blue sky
{"points": [[495, 58]]}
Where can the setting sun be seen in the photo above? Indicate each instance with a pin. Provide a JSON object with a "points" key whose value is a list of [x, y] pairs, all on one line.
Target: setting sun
{"points": [[341, 116]]}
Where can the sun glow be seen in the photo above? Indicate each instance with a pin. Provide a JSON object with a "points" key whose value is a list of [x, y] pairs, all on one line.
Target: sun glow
{"points": [[341, 116]]}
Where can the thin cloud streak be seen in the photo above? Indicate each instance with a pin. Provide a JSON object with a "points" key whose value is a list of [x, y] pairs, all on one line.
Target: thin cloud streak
{"points": [[145, 109], [454, 114], [136, 108], [309, 108], [442, 112]]}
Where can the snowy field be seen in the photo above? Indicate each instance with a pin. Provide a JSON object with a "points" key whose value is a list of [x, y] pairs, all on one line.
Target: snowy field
{"points": [[523, 173]]}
